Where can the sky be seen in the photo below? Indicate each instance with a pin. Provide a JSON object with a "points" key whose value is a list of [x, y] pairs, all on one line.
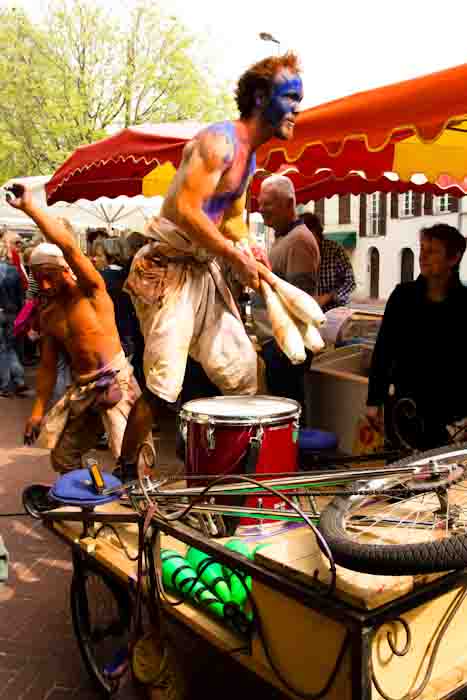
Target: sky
{"points": [[344, 47]]}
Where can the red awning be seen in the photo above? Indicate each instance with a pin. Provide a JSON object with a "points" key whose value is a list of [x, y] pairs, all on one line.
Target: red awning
{"points": [[326, 184], [127, 163], [416, 126], [349, 145]]}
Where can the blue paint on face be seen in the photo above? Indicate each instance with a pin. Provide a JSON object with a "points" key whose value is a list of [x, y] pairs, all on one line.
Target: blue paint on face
{"points": [[285, 99]]}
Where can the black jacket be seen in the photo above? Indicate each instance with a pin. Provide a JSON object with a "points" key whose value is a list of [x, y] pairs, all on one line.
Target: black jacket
{"points": [[420, 349]]}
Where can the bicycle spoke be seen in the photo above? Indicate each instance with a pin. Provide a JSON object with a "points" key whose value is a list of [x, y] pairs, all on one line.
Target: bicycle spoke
{"points": [[381, 517]]}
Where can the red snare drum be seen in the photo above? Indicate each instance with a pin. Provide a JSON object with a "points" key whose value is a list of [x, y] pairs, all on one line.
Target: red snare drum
{"points": [[218, 431]]}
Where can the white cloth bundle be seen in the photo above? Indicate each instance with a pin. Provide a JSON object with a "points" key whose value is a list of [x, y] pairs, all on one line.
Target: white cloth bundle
{"points": [[285, 331], [294, 316]]}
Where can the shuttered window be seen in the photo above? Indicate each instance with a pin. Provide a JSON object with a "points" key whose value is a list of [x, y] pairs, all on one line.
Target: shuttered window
{"points": [[406, 205], [383, 205], [373, 214], [446, 203], [417, 204], [363, 208], [344, 209], [428, 203], [320, 209]]}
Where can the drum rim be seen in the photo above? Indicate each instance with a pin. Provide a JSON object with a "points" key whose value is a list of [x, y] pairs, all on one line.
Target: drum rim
{"points": [[233, 420]]}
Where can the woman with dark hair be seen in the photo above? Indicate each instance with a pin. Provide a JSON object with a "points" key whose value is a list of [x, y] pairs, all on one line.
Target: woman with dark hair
{"points": [[418, 365]]}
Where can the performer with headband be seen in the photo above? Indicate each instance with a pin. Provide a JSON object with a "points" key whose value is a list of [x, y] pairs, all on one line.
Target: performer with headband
{"points": [[176, 282], [77, 318]]}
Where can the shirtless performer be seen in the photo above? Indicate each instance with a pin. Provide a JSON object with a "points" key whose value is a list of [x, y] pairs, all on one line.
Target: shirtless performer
{"points": [[176, 282], [78, 318]]}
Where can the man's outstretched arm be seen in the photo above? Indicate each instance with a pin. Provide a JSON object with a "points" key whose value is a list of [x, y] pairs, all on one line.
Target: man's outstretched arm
{"points": [[55, 232]]}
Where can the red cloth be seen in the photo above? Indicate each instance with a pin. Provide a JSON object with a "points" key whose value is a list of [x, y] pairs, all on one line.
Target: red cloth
{"points": [[26, 317]]}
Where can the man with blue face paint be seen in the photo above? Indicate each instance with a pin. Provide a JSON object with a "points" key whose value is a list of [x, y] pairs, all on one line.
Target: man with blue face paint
{"points": [[283, 104], [177, 283]]}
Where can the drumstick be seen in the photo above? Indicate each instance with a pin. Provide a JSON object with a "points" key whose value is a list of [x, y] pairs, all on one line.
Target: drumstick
{"points": [[299, 303], [311, 336], [283, 327]]}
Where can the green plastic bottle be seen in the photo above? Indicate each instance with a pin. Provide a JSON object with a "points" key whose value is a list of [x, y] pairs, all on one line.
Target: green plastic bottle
{"points": [[178, 575], [240, 621], [240, 547], [210, 573], [259, 546], [237, 583]]}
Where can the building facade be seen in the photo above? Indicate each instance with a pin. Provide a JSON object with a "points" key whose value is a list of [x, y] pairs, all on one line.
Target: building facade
{"points": [[388, 246], [381, 233]]}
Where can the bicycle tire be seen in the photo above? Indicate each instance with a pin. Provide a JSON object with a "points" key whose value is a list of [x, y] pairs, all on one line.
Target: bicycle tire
{"points": [[393, 559], [80, 591]]}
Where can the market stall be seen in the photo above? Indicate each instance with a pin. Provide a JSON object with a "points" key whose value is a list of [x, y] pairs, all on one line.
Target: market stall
{"points": [[312, 630]]}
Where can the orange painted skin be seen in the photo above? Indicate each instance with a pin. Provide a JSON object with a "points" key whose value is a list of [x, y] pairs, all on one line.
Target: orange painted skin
{"points": [[79, 316], [81, 323]]}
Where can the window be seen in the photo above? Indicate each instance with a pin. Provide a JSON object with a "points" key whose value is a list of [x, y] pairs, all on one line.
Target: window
{"points": [[442, 204], [373, 214], [407, 265], [446, 203], [374, 272], [406, 205]]}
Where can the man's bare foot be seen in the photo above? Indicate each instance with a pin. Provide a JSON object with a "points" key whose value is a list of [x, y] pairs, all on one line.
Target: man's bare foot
{"points": [[146, 460]]}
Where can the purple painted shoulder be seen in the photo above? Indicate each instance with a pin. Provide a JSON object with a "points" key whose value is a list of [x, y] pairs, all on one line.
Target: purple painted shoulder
{"points": [[226, 129]]}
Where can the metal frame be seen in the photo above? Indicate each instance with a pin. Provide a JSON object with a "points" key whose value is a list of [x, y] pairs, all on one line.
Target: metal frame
{"points": [[361, 624]]}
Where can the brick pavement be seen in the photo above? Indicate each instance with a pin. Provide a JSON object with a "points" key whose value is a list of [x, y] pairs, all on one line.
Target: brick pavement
{"points": [[39, 658]]}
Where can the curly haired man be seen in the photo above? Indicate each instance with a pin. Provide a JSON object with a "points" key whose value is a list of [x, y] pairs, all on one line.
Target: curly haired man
{"points": [[177, 283]]}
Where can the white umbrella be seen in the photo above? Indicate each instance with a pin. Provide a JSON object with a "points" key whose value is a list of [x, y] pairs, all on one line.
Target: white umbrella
{"points": [[119, 213]]}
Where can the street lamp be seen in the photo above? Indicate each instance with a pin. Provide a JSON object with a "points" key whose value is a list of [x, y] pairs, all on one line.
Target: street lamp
{"points": [[265, 36]]}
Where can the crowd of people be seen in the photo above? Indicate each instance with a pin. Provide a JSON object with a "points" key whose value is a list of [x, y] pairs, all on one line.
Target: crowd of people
{"points": [[126, 333]]}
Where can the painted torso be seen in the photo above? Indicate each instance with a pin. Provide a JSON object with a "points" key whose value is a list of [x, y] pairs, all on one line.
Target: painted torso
{"points": [[239, 166], [235, 177], [84, 327]]}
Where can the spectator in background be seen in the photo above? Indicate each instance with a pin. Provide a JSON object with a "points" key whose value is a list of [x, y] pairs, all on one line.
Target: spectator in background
{"points": [[336, 280], [133, 242], [100, 254], [32, 291], [92, 236], [11, 302], [13, 245], [31, 334], [111, 259], [420, 348], [295, 257]]}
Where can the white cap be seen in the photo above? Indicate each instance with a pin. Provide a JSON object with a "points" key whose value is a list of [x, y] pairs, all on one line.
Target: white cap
{"points": [[48, 254]]}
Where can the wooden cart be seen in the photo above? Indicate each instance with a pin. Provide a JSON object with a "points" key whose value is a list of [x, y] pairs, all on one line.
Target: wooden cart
{"points": [[374, 637]]}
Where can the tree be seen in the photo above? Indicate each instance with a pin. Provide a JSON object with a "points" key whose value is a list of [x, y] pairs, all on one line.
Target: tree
{"points": [[68, 80]]}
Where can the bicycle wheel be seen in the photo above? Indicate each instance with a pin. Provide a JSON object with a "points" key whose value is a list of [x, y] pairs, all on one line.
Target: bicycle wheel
{"points": [[404, 525], [101, 611]]}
